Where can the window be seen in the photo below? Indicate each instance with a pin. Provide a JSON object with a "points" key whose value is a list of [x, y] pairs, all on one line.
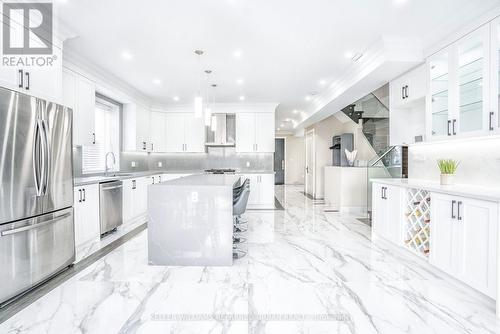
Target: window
{"points": [[107, 135]]}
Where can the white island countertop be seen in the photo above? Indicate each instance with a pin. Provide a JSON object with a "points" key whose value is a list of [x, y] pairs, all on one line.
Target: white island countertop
{"points": [[484, 193], [191, 221]]}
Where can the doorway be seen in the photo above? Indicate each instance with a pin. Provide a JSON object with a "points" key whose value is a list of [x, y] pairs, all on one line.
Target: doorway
{"points": [[279, 161], [310, 180]]}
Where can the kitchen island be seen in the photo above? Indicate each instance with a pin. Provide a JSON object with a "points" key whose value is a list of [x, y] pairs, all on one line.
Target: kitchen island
{"points": [[191, 221]]}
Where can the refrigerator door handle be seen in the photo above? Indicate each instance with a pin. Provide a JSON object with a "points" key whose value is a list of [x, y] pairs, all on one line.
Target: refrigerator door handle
{"points": [[36, 159], [31, 227], [46, 160]]}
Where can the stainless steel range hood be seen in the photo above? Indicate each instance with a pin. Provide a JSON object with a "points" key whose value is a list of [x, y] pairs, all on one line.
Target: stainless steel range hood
{"points": [[224, 130]]}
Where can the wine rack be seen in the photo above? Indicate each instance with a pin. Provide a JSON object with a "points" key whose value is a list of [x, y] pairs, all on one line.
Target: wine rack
{"points": [[418, 219]]}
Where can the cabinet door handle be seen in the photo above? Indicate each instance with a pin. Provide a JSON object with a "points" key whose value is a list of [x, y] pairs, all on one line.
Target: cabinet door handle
{"points": [[459, 215], [152, 147], [449, 125], [403, 92], [453, 209], [159, 177], [406, 91], [133, 184], [21, 79], [27, 80], [93, 138], [491, 120], [84, 195], [454, 130], [79, 195]]}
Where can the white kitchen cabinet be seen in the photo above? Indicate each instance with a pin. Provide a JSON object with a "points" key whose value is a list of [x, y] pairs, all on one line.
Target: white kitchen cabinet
{"points": [[43, 81], [245, 132], [494, 117], [387, 216], [194, 133], [136, 128], [185, 133], [86, 214], [459, 94], [409, 87], [135, 198], [158, 132], [464, 240], [79, 94], [444, 234], [255, 132], [261, 191], [128, 200]]}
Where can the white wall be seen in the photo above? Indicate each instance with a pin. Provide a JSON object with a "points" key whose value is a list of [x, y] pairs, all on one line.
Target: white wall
{"points": [[295, 160], [479, 161]]}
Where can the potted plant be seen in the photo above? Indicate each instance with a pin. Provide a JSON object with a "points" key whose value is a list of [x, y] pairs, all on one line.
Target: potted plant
{"points": [[448, 167]]}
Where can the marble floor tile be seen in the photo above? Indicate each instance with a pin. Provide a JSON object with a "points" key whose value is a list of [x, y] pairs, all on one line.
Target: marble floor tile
{"points": [[306, 271]]}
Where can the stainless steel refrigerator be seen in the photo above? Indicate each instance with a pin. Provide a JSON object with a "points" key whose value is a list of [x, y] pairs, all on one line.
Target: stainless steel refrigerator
{"points": [[36, 191]]}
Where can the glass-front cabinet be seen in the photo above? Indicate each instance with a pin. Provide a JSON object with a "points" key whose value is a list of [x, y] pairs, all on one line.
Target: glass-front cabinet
{"points": [[439, 93], [459, 97], [494, 118]]}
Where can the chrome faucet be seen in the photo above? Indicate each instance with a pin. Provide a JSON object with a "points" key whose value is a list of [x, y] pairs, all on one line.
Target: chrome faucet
{"points": [[106, 161]]}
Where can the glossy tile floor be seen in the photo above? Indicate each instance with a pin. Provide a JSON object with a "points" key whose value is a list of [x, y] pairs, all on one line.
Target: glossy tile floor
{"points": [[307, 271]]}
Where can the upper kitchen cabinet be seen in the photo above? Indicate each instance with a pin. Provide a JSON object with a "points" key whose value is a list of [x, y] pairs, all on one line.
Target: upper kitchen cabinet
{"points": [[136, 128], [407, 106], [493, 117], [459, 93], [408, 87], [185, 133], [36, 75], [158, 132], [254, 132], [79, 94]]}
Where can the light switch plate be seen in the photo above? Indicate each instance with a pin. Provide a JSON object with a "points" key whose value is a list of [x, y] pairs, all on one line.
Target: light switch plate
{"points": [[160, 164], [132, 164], [248, 163]]}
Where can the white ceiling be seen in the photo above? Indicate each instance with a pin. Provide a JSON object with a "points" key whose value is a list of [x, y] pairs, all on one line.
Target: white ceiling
{"points": [[287, 46]]}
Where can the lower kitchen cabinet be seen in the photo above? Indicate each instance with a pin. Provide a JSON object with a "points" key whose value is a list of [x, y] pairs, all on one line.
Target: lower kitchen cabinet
{"points": [[464, 240], [86, 214], [462, 231], [135, 201], [387, 212], [261, 191]]}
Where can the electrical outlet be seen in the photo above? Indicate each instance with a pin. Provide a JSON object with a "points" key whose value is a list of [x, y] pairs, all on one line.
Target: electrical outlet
{"points": [[160, 164], [132, 164], [248, 163]]}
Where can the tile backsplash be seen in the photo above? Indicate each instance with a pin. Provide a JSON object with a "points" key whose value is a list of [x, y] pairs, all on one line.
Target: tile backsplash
{"points": [[479, 161], [217, 157]]}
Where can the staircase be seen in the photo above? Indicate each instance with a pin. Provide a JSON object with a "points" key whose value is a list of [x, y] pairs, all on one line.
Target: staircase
{"points": [[373, 116]]}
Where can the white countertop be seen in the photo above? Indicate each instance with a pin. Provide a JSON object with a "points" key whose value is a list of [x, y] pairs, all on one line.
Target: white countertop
{"points": [[202, 180], [85, 180], [484, 193]]}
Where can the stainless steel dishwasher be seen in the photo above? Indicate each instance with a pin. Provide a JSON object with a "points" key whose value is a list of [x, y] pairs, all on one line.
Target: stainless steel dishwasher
{"points": [[110, 205]]}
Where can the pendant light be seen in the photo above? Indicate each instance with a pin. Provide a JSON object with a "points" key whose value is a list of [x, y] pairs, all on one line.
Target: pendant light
{"points": [[198, 100], [208, 110], [213, 120]]}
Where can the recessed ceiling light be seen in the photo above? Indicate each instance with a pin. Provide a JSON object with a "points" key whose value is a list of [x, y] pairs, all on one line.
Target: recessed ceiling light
{"points": [[126, 55], [240, 81], [282, 125], [278, 129], [295, 111], [242, 98], [288, 119], [322, 82], [157, 81], [398, 2], [175, 98], [237, 53], [348, 54], [308, 98]]}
